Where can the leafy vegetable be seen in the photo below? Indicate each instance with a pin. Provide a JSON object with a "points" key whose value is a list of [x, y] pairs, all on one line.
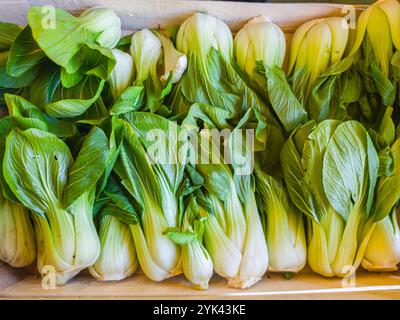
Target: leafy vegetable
{"points": [[331, 177], [153, 185], [283, 226], [260, 47], [210, 78], [17, 238], [383, 250], [66, 236], [79, 45], [196, 261], [117, 259], [122, 74]]}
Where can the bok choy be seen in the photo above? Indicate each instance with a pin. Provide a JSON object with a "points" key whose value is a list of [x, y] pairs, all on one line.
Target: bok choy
{"points": [[331, 172], [154, 185], [60, 193], [17, 238], [233, 233], [383, 250], [151, 51], [210, 78], [196, 261], [117, 259], [283, 226], [259, 49]]}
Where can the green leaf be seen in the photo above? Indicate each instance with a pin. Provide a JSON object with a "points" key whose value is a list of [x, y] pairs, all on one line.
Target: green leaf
{"points": [[319, 103], [294, 172], [180, 237], [134, 169], [387, 189], [300, 84], [155, 93], [339, 67], [115, 137], [44, 155], [69, 42], [8, 33], [159, 133], [208, 86], [386, 127], [216, 83], [93, 60], [5, 128], [130, 100], [395, 63], [384, 86], [289, 110], [88, 166], [24, 54], [73, 107], [43, 89], [350, 169], [124, 216], [25, 115], [118, 197], [312, 161], [8, 81], [203, 115], [384, 153], [69, 80], [124, 43]]}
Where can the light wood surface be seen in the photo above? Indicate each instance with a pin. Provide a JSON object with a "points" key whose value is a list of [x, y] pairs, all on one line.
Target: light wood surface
{"points": [[305, 285], [140, 14]]}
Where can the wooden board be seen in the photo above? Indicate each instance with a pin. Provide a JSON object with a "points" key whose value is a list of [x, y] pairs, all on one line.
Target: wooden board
{"points": [[140, 14], [305, 285]]}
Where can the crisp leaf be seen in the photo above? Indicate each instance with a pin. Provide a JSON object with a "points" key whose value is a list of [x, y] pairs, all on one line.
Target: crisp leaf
{"points": [[74, 107], [24, 54], [8, 33], [350, 169], [25, 115], [289, 110], [130, 100], [88, 166], [387, 189], [46, 158]]}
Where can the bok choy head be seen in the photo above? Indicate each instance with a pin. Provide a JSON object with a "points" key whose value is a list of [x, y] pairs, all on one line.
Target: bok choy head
{"points": [[196, 261], [149, 168], [69, 58], [316, 45], [80, 45], [210, 77], [17, 238], [117, 259], [331, 171], [233, 233], [158, 65], [383, 250], [59, 191], [259, 49], [259, 40], [283, 226], [376, 48]]}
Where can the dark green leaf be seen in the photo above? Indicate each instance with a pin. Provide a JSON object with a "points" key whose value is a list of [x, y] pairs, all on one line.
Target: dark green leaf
{"points": [[24, 54], [88, 166]]}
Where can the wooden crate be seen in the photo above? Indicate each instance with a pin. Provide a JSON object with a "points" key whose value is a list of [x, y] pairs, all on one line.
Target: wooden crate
{"points": [[19, 284]]}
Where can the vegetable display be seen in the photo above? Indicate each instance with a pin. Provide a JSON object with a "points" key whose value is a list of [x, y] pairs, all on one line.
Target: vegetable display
{"points": [[192, 151]]}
